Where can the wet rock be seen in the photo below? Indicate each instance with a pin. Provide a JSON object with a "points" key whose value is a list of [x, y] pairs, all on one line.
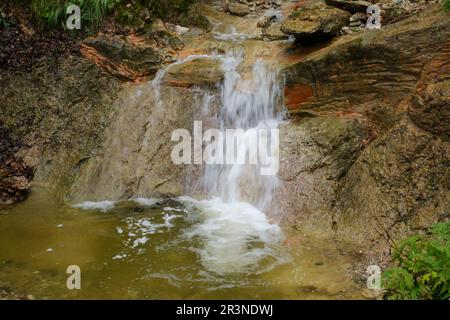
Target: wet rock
{"points": [[359, 16], [276, 3], [350, 5], [398, 182], [132, 57], [266, 21], [355, 23], [315, 20], [15, 175], [273, 33], [195, 72], [430, 107], [315, 152], [60, 117], [346, 30], [394, 11], [193, 18], [340, 78], [237, 9]]}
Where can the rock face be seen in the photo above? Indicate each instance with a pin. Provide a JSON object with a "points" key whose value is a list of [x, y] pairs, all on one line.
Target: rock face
{"points": [[57, 117], [396, 179], [315, 20], [398, 184], [430, 107], [315, 153], [136, 157]]}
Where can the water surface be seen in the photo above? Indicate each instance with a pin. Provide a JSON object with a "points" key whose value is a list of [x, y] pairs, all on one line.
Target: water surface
{"points": [[160, 250]]}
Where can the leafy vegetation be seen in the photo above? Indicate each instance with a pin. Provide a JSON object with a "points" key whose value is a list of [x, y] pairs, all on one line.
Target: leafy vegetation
{"points": [[447, 5], [53, 12], [423, 270]]}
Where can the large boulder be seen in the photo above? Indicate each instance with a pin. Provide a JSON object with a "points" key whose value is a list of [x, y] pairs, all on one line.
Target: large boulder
{"points": [[315, 20], [350, 5], [200, 71], [237, 9]]}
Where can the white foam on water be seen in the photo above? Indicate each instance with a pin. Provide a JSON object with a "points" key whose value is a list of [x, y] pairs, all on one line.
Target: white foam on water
{"points": [[277, 13], [103, 206], [235, 236], [137, 231], [146, 202]]}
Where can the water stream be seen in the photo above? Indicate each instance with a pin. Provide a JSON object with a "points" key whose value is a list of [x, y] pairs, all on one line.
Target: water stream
{"points": [[220, 245]]}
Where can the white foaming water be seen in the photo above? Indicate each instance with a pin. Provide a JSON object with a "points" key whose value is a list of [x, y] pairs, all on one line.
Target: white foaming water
{"points": [[237, 237], [234, 231], [231, 35], [147, 202], [103, 206], [247, 104]]}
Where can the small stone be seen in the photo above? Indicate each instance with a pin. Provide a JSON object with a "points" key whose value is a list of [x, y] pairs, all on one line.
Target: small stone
{"points": [[358, 17], [346, 30], [355, 23]]}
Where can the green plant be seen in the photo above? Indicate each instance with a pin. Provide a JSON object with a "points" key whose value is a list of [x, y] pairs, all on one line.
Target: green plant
{"points": [[423, 270], [164, 8], [53, 12], [447, 5]]}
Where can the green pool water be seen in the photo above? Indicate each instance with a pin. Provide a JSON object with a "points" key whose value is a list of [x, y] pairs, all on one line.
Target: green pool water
{"points": [[160, 250]]}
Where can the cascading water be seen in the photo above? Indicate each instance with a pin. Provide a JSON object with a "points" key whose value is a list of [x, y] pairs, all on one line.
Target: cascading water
{"points": [[253, 105], [235, 233]]}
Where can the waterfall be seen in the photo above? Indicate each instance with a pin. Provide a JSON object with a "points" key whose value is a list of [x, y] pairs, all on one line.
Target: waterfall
{"points": [[234, 231], [255, 106]]}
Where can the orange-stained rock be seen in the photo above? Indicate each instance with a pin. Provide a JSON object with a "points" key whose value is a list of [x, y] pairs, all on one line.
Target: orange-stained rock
{"points": [[296, 95]]}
